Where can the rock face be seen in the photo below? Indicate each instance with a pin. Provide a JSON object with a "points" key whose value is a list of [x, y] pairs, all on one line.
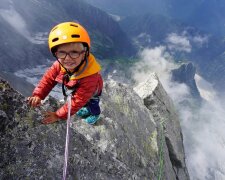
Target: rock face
{"points": [[163, 111], [186, 74], [134, 139]]}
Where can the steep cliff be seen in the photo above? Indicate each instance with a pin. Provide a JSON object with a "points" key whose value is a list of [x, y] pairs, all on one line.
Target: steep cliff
{"points": [[134, 139], [186, 74], [164, 113]]}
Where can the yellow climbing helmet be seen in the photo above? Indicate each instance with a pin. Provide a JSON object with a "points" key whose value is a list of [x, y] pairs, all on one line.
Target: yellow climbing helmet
{"points": [[68, 32]]}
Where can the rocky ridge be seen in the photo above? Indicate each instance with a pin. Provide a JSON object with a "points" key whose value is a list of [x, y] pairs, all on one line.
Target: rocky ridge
{"points": [[138, 137]]}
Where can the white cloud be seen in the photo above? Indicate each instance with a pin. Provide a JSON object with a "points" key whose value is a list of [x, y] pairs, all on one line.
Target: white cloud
{"points": [[200, 40], [184, 41], [141, 39], [156, 59], [115, 17], [178, 42], [205, 130], [15, 20], [205, 88], [18, 23]]}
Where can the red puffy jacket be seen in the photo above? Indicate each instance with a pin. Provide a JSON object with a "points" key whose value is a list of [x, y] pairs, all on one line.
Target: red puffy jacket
{"points": [[88, 82]]}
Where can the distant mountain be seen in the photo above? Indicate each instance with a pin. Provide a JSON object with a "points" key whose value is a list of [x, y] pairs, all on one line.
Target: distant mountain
{"points": [[186, 74], [183, 41], [130, 7], [25, 26], [155, 27], [207, 15], [200, 24]]}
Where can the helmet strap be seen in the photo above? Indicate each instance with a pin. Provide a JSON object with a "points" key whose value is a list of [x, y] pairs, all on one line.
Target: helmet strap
{"points": [[67, 71]]}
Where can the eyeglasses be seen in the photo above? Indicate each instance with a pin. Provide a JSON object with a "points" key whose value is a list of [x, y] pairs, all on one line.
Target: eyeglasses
{"points": [[72, 54]]}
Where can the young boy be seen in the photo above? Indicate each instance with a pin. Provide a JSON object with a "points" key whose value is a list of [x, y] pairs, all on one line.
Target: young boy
{"points": [[77, 70]]}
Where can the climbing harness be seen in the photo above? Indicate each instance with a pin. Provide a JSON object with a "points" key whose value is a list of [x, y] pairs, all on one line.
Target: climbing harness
{"points": [[67, 137], [71, 90], [161, 155], [70, 75]]}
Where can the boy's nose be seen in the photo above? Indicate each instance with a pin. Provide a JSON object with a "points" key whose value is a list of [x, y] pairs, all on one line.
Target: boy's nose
{"points": [[67, 57]]}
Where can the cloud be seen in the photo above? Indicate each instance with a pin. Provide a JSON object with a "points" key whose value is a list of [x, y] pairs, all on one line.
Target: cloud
{"points": [[142, 40], [205, 88], [178, 42], [184, 41], [14, 19], [200, 40], [205, 132], [156, 59], [115, 17], [18, 23]]}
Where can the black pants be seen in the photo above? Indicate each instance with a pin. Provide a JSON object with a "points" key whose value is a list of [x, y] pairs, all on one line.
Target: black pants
{"points": [[93, 106]]}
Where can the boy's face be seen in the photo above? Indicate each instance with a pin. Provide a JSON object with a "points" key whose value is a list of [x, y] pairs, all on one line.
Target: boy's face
{"points": [[70, 55]]}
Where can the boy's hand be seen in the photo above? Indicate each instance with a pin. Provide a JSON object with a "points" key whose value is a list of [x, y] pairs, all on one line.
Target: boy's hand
{"points": [[50, 117], [34, 101]]}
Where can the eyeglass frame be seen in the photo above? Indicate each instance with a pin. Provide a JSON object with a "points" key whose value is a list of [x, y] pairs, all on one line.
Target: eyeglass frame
{"points": [[69, 53]]}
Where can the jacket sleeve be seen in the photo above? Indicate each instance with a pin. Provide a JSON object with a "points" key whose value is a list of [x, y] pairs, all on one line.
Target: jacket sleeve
{"points": [[47, 82], [83, 94]]}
